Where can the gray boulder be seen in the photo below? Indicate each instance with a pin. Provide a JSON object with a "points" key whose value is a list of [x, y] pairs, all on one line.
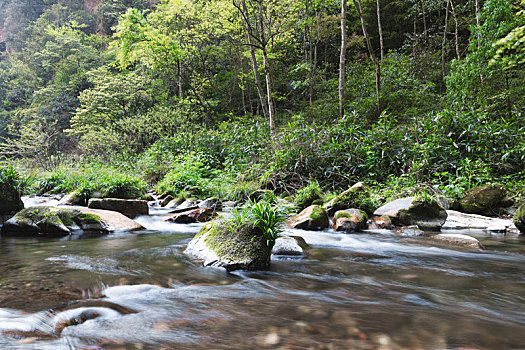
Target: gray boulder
{"points": [[290, 245], [129, 207], [232, 248], [426, 214], [73, 198]]}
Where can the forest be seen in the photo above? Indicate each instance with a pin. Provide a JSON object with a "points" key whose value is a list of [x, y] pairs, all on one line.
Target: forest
{"points": [[224, 97]]}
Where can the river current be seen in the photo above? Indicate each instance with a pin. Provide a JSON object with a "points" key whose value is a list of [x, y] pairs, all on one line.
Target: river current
{"points": [[361, 291]]}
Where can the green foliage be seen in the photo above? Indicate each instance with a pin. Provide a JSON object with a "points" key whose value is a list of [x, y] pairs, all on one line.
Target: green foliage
{"points": [[12, 178], [306, 196], [89, 179], [190, 173], [267, 219]]}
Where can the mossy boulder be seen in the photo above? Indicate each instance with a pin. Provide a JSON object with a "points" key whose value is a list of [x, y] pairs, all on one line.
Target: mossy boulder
{"points": [[233, 248], [427, 214], [174, 202], [63, 221], [164, 201], [312, 218], [212, 203], [519, 218], [10, 201], [483, 199], [129, 207], [357, 196], [52, 221], [350, 220]]}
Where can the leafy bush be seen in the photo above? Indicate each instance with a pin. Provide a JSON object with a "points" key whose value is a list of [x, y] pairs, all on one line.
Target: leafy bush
{"points": [[266, 218], [10, 176], [306, 196]]}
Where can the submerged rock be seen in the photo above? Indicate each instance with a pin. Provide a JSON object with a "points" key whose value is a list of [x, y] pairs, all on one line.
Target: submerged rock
{"points": [[192, 216], [458, 240], [129, 207], [62, 221], [312, 218], [244, 247], [427, 214], [519, 218], [350, 220], [290, 245], [482, 199]]}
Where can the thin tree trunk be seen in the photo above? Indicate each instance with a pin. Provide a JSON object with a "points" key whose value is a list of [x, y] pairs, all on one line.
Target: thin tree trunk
{"points": [[456, 35], [478, 25], [380, 29], [443, 43], [267, 71], [179, 73], [424, 20], [342, 59], [257, 76], [372, 55]]}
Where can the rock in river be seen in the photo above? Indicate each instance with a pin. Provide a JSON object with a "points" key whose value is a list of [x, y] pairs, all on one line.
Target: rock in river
{"points": [[129, 207], [350, 220], [427, 214], [312, 218], [519, 218], [62, 221], [458, 240], [233, 248], [290, 245]]}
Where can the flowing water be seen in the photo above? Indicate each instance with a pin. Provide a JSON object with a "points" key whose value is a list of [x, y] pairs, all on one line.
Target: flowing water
{"points": [[361, 291]]}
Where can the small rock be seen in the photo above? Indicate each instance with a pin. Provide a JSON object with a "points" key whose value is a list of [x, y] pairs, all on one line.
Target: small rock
{"points": [[380, 223], [289, 245], [175, 203], [213, 203], [409, 231]]}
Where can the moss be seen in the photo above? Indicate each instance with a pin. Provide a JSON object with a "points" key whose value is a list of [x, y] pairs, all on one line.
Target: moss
{"points": [[87, 218], [204, 229], [245, 243]]}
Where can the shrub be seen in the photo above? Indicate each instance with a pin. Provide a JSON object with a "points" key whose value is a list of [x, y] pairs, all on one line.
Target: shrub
{"points": [[306, 196]]}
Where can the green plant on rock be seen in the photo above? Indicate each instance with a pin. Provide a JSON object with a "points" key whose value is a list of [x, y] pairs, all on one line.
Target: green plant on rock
{"points": [[266, 218]]}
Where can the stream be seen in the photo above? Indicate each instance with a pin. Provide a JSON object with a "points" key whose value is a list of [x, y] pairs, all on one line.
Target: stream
{"points": [[361, 291]]}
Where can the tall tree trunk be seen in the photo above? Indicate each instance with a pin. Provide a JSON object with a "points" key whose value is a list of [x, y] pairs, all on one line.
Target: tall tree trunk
{"points": [[342, 59], [257, 76], [423, 12], [380, 29], [372, 54], [478, 25], [456, 34], [443, 43], [267, 70]]}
